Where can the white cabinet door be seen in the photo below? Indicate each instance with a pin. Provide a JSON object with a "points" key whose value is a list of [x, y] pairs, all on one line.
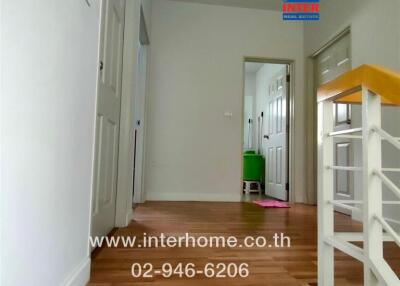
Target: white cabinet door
{"points": [[275, 137], [331, 63], [108, 116]]}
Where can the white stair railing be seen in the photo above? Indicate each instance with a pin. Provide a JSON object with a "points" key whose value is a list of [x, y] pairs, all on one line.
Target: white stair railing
{"points": [[386, 136], [388, 183], [388, 229], [376, 269]]}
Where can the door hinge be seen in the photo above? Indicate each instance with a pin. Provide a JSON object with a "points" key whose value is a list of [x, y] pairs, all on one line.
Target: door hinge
{"points": [[287, 186], [288, 78]]}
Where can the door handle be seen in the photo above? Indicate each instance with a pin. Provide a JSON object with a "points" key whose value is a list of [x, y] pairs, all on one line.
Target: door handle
{"points": [[266, 137]]}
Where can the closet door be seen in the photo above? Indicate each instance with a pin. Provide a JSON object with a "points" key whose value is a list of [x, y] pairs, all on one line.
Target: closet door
{"points": [[329, 64]]}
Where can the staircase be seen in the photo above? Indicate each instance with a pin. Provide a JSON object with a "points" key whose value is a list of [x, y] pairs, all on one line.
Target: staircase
{"points": [[370, 86]]}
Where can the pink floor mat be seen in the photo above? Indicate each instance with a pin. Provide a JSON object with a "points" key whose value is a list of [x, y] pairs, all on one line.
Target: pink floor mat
{"points": [[271, 204]]}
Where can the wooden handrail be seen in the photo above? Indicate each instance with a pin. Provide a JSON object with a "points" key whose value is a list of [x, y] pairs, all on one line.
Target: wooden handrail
{"points": [[347, 87]]}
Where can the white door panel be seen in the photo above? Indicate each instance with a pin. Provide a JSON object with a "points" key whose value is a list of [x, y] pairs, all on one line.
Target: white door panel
{"points": [[271, 164], [140, 103], [107, 117], [342, 179], [276, 137], [331, 63]]}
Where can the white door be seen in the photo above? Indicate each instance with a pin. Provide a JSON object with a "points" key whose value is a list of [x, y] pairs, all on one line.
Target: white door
{"points": [[331, 63], [108, 116], [140, 108], [275, 137]]}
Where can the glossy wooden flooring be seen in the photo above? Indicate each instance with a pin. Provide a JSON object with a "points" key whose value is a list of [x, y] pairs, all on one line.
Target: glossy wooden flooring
{"points": [[270, 266]]}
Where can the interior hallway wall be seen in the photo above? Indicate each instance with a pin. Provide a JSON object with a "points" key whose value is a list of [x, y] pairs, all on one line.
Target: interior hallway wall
{"points": [[48, 97], [374, 40], [196, 74]]}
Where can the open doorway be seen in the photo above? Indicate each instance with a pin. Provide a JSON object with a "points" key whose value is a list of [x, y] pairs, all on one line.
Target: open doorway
{"points": [[266, 124]]}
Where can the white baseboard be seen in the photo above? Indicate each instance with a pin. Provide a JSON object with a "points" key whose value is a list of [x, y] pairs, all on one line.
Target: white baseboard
{"points": [[80, 275], [191, 197]]}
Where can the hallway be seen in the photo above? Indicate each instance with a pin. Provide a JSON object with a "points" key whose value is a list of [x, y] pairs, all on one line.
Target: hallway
{"points": [[285, 266]]}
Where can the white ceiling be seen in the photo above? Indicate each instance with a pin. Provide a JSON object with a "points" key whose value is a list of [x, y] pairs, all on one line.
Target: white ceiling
{"points": [[254, 4], [252, 67]]}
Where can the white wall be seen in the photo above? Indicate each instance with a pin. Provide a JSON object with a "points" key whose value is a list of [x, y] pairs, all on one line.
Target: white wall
{"points": [[249, 110], [373, 41], [48, 92], [196, 75]]}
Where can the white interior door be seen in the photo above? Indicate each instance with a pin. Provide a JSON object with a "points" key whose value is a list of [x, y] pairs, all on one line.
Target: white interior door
{"points": [[140, 108], [276, 137], [331, 63], [108, 116]]}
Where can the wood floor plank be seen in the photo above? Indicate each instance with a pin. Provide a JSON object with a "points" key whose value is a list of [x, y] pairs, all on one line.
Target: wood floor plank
{"points": [[296, 265]]}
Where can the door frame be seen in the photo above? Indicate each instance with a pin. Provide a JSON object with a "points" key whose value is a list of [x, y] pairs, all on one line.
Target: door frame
{"points": [[140, 129], [125, 185], [312, 117], [290, 63]]}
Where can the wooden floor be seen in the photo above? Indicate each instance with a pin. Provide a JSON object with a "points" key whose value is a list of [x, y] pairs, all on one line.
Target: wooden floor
{"points": [[270, 266]]}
